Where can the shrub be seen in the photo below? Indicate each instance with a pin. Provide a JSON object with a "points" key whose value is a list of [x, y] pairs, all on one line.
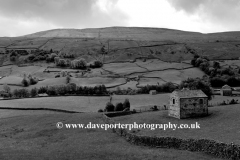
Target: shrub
{"points": [[119, 107], [233, 101], [31, 57], [68, 78], [126, 104], [154, 108], [25, 82], [41, 57], [134, 111], [100, 110], [13, 58], [34, 92], [103, 50], [109, 107], [13, 54], [63, 73]]}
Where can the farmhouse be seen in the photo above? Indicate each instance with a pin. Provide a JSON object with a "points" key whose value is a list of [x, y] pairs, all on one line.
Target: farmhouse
{"points": [[226, 90], [187, 103]]}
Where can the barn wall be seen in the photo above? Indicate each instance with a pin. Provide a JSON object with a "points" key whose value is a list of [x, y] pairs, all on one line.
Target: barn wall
{"points": [[174, 109], [190, 107], [226, 92]]}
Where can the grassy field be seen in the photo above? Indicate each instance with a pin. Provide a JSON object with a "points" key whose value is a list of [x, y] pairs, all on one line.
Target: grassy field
{"points": [[160, 65], [221, 125], [150, 81], [123, 68], [92, 104], [36, 137], [219, 99], [108, 82], [85, 104], [111, 74]]}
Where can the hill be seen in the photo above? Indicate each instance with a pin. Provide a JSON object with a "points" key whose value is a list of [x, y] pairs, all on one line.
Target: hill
{"points": [[123, 42]]}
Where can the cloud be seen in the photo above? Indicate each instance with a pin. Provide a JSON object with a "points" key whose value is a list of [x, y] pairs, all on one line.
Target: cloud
{"points": [[187, 5], [64, 13], [222, 12]]}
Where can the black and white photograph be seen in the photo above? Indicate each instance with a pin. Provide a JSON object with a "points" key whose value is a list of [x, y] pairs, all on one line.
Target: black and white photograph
{"points": [[119, 79]]}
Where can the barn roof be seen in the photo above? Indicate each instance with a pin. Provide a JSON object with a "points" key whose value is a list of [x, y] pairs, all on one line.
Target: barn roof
{"points": [[186, 93], [226, 87]]}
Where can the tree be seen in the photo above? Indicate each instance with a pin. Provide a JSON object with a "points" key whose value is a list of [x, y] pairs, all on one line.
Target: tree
{"points": [[16, 93], [126, 104], [97, 64], [32, 80], [56, 60], [61, 63], [192, 83], [71, 88], [217, 82], [6, 88], [61, 89], [51, 90], [216, 65], [42, 90], [79, 64], [119, 107], [109, 107], [25, 82], [34, 92]]}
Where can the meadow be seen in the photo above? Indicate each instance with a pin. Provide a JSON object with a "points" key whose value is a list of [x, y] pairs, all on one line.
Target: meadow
{"points": [[86, 103], [217, 126], [36, 137], [111, 74]]}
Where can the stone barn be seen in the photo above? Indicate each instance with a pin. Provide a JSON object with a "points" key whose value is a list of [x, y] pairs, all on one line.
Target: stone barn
{"points": [[226, 90], [187, 103], [153, 92]]}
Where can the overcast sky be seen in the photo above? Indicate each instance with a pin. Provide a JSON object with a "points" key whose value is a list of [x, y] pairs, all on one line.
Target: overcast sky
{"points": [[20, 17]]}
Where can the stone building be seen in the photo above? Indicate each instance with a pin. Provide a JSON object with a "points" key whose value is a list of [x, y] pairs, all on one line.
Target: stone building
{"points": [[187, 103], [226, 90], [153, 92]]}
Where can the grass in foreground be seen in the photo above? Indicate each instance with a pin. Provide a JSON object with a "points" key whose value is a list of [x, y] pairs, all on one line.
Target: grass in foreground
{"points": [[221, 125], [36, 137]]}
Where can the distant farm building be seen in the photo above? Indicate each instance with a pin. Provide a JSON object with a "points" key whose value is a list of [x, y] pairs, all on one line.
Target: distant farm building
{"points": [[226, 90], [187, 103], [153, 92]]}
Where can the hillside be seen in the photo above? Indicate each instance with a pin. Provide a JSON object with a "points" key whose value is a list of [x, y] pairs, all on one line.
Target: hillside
{"points": [[127, 43]]}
